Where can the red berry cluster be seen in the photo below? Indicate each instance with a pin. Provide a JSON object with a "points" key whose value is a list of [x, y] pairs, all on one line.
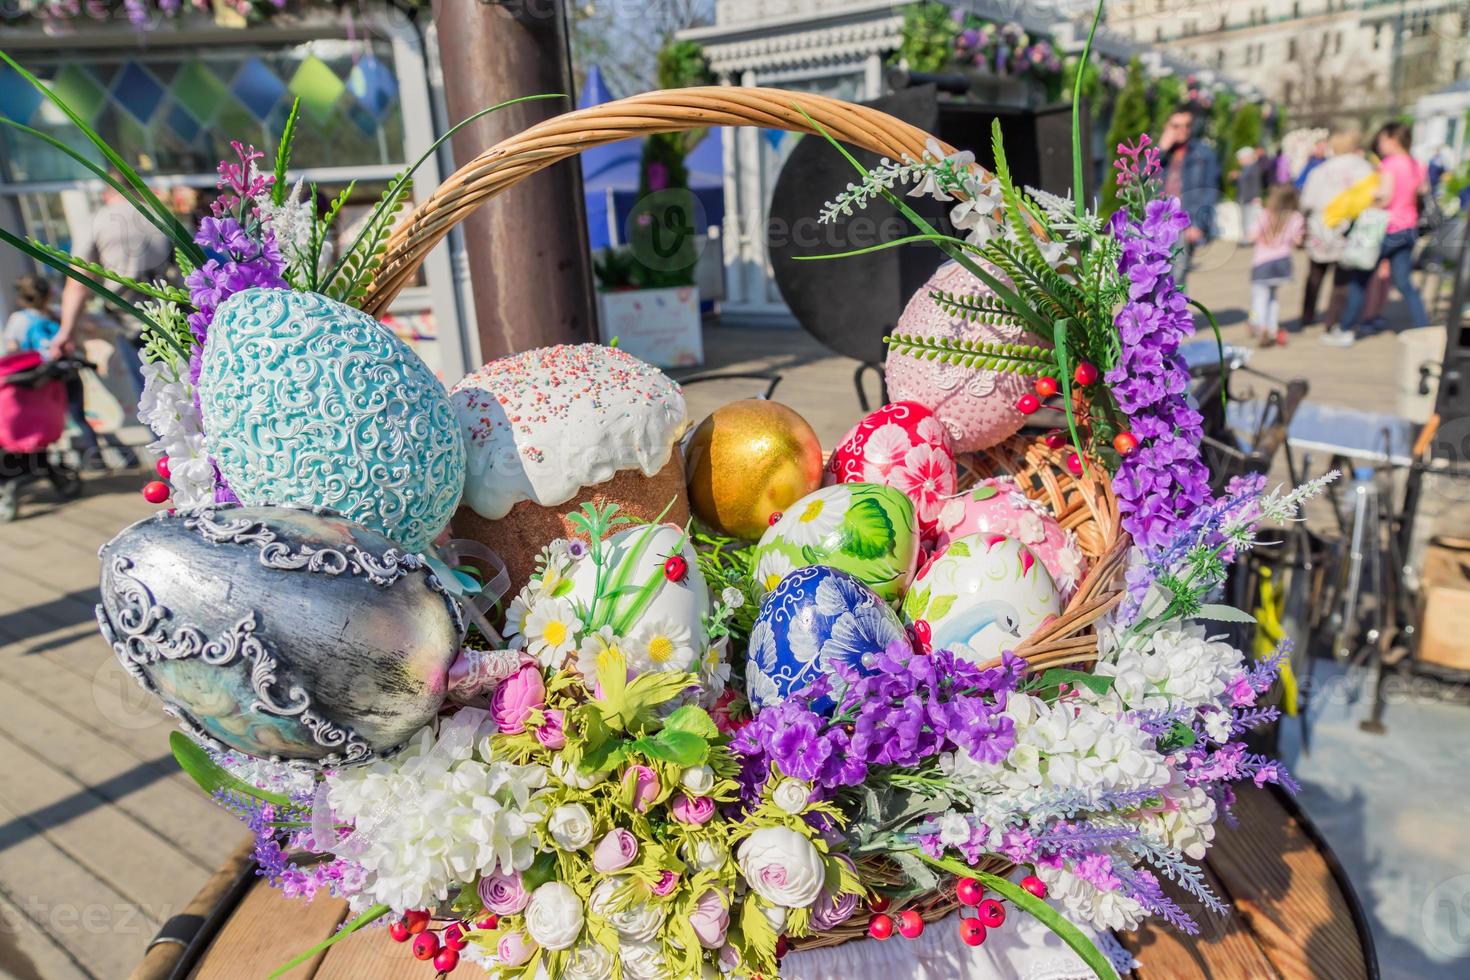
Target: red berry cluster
{"points": [[158, 491], [1124, 443], [442, 947], [989, 913]]}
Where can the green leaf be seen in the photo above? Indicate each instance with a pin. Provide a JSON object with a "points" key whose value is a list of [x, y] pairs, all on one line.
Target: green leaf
{"points": [[693, 719], [915, 602], [980, 493], [678, 748], [1221, 613], [283, 154], [1082, 62], [1060, 340], [564, 587], [1219, 345], [759, 935], [958, 548], [371, 915], [940, 607], [212, 777], [916, 870], [867, 531], [1096, 683], [1178, 736], [542, 870]]}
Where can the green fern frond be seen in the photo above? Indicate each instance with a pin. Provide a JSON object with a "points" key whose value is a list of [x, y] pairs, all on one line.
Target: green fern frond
{"points": [[321, 231], [182, 260], [283, 155], [366, 254], [1019, 215], [996, 356], [159, 291]]}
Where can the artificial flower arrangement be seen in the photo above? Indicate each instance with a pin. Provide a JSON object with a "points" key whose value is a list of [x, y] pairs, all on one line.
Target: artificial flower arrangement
{"points": [[675, 751]]}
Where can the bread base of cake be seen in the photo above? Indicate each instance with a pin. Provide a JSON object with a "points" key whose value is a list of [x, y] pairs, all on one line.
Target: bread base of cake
{"points": [[519, 536]]}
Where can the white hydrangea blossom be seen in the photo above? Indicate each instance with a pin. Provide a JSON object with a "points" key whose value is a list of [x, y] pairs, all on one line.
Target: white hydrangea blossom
{"points": [[1073, 744], [1083, 901], [1173, 668], [1185, 821], [442, 811], [167, 407]]}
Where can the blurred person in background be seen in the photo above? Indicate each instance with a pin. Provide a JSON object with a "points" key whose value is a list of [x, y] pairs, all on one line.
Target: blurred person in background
{"points": [[1401, 178], [1249, 176], [1277, 231], [34, 326], [123, 241], [1343, 166], [1192, 174]]}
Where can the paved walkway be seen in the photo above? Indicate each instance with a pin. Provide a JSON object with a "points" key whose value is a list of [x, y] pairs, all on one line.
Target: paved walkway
{"points": [[101, 839]]}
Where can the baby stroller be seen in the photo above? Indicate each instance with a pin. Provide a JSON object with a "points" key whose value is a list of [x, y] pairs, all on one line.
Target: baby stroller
{"points": [[32, 418]]}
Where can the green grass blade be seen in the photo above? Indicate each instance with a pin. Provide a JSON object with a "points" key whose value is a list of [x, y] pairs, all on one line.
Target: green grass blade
{"points": [[179, 235], [400, 181], [371, 915], [1027, 902], [127, 192], [166, 293], [212, 777], [1086, 56], [1064, 362], [283, 154], [1219, 345]]}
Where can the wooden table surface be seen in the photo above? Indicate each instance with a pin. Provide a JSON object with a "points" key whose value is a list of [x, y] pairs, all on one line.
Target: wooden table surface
{"points": [[1291, 919]]}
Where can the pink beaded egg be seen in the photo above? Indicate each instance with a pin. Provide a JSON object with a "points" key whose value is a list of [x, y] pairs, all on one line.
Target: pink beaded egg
{"points": [[902, 446], [998, 506], [976, 405]]}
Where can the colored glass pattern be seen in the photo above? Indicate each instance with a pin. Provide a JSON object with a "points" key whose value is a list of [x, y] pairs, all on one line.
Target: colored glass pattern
{"points": [[137, 91], [258, 88]]}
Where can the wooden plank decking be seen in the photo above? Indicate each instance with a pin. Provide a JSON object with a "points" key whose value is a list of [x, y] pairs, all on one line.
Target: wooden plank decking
{"points": [[101, 837]]}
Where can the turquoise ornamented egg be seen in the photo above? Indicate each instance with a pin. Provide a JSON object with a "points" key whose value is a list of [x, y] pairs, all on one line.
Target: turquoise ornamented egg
{"points": [[981, 595], [865, 529], [815, 619], [308, 401]]}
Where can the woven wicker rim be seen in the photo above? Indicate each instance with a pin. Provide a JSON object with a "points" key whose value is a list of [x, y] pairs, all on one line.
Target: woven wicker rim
{"points": [[517, 157], [1083, 504]]}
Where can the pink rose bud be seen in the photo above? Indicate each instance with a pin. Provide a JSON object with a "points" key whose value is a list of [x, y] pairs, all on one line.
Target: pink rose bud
{"points": [[693, 809], [503, 894], [667, 882], [710, 919], [645, 786], [552, 733], [615, 851], [515, 699], [514, 949]]}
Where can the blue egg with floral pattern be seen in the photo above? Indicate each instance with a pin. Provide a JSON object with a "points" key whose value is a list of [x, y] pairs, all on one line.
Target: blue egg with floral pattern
{"points": [[308, 401], [816, 619]]}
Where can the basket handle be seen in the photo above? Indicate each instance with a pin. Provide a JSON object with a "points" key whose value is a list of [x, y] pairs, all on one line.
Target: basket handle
{"points": [[553, 140]]}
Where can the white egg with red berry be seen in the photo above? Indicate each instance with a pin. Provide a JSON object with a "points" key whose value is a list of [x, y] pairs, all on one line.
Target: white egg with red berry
{"points": [[644, 585], [980, 596]]}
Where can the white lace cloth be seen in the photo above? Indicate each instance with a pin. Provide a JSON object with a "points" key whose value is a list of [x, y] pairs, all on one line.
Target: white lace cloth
{"points": [[1022, 949]]}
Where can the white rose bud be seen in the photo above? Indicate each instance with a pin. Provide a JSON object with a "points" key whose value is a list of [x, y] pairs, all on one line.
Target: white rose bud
{"points": [[698, 780], [571, 827], [554, 917], [643, 961], [589, 961], [571, 777], [637, 923], [782, 866], [705, 855], [792, 795]]}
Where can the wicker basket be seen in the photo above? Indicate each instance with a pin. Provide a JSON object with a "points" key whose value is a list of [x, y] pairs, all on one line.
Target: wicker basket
{"points": [[1085, 504]]}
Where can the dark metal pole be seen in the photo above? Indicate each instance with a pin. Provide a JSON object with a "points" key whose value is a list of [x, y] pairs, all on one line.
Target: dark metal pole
{"points": [[527, 249]]}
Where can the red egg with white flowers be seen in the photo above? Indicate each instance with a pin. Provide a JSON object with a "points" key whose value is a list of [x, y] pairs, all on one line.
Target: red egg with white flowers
{"points": [[904, 446]]}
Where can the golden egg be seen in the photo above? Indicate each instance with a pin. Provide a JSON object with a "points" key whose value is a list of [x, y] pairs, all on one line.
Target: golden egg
{"points": [[747, 461]]}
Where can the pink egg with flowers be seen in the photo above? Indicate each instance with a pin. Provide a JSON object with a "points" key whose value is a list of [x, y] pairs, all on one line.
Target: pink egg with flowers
{"points": [[903, 446], [999, 506], [976, 405]]}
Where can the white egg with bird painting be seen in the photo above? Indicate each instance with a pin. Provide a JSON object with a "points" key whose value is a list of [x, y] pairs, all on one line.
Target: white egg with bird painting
{"points": [[980, 596]]}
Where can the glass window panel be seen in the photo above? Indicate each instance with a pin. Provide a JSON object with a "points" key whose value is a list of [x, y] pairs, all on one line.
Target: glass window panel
{"points": [[174, 110]]}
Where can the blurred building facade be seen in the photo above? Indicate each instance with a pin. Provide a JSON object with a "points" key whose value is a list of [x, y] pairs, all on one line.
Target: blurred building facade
{"points": [[1323, 61], [170, 95]]}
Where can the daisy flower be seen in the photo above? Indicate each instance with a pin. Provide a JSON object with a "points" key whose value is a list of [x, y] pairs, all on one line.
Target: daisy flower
{"points": [[594, 645], [551, 631], [771, 568], [661, 645], [818, 518], [516, 616]]}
